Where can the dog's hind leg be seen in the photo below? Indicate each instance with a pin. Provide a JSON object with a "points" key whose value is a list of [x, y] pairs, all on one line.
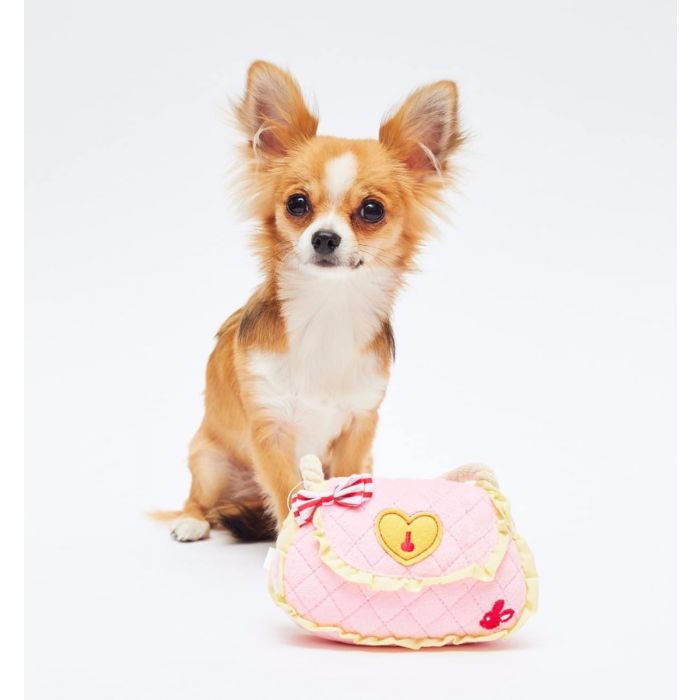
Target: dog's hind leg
{"points": [[211, 471]]}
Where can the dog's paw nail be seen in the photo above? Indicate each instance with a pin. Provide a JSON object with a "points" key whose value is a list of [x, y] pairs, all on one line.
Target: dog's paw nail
{"points": [[190, 530]]}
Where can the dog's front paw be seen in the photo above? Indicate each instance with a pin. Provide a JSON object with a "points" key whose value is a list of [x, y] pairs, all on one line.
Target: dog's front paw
{"points": [[190, 529]]}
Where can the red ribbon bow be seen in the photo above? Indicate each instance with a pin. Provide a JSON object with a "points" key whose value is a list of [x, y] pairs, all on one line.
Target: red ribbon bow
{"points": [[352, 492]]}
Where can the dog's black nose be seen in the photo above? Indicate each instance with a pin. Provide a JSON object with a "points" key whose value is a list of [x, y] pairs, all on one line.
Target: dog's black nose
{"points": [[325, 242]]}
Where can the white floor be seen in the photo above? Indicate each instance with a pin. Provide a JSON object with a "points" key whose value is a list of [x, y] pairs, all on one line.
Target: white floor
{"points": [[152, 619], [118, 610]]}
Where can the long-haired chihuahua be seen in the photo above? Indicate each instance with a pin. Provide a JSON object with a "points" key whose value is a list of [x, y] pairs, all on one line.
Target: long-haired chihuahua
{"points": [[303, 366]]}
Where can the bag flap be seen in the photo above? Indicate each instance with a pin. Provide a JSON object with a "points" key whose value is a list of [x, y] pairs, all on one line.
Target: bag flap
{"points": [[416, 532]]}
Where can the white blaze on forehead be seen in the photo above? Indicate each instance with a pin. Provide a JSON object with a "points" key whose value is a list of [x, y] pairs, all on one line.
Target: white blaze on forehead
{"points": [[340, 174]]}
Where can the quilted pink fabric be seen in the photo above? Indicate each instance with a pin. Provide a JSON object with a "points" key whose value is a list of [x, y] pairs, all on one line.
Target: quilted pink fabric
{"points": [[466, 512], [325, 598]]}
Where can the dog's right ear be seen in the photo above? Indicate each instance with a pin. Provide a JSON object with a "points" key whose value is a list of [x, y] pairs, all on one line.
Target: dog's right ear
{"points": [[272, 114], [424, 131]]}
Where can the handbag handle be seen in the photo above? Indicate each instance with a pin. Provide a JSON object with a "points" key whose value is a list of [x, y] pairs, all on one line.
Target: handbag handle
{"points": [[312, 473]]}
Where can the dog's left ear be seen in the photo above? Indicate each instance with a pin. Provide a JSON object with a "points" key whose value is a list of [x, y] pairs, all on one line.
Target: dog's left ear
{"points": [[273, 114], [424, 132]]}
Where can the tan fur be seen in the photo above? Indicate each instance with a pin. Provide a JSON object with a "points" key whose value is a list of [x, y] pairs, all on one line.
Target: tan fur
{"points": [[242, 455]]}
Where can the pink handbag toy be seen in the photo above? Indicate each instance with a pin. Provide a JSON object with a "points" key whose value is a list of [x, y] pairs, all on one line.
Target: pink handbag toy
{"points": [[405, 562]]}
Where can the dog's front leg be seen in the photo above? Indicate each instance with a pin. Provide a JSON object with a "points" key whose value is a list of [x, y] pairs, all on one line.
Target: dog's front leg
{"points": [[352, 450], [275, 465]]}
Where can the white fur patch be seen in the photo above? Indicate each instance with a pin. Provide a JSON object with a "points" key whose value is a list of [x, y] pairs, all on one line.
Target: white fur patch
{"points": [[188, 529], [341, 172], [325, 378]]}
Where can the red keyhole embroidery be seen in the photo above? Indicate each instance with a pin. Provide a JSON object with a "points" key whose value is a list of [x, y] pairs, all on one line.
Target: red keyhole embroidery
{"points": [[494, 617], [407, 545]]}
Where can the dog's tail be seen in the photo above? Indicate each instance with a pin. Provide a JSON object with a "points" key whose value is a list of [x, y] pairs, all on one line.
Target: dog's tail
{"points": [[250, 522], [163, 515]]}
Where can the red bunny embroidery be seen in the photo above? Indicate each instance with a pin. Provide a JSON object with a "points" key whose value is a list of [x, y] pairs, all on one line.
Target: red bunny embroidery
{"points": [[494, 617]]}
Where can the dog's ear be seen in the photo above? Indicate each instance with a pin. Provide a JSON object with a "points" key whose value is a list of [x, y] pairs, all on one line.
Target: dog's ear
{"points": [[424, 131], [272, 114]]}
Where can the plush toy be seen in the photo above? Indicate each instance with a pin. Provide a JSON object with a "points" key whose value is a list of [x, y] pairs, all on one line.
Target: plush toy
{"points": [[405, 562]]}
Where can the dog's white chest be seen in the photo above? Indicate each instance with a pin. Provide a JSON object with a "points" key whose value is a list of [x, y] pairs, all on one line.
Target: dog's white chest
{"points": [[325, 377], [318, 399]]}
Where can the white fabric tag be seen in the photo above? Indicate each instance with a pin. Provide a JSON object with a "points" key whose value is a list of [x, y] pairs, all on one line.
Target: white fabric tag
{"points": [[270, 557]]}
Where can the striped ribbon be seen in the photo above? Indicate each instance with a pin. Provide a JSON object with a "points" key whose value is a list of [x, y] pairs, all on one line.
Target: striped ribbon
{"points": [[351, 493]]}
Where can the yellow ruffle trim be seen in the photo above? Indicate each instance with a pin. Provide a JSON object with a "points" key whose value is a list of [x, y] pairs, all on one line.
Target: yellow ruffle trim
{"points": [[387, 583], [378, 582]]}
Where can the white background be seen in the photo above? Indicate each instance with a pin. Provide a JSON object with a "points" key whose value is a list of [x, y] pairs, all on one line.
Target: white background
{"points": [[538, 336]]}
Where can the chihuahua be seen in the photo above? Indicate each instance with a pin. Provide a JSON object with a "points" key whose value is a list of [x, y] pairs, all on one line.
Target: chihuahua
{"points": [[303, 366]]}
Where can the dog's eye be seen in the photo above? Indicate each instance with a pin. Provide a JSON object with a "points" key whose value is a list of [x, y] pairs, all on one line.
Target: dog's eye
{"points": [[298, 205], [372, 211]]}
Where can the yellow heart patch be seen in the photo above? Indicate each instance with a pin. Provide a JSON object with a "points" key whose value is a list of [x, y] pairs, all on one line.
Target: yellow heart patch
{"points": [[408, 538]]}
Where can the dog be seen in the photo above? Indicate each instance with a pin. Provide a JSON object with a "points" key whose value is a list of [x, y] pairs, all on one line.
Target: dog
{"points": [[303, 366]]}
